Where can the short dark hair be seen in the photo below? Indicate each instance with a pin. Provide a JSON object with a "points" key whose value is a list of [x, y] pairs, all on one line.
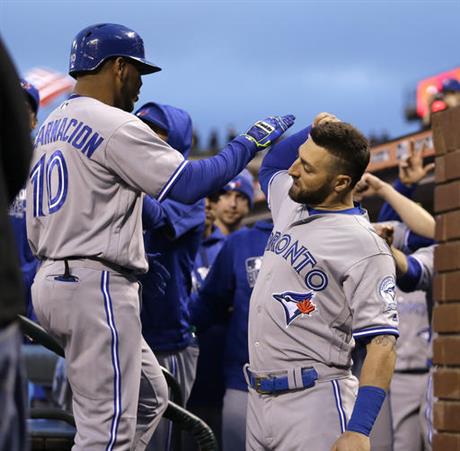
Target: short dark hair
{"points": [[347, 144]]}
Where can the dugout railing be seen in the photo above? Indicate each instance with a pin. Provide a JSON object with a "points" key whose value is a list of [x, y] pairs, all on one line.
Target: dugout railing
{"points": [[182, 419]]}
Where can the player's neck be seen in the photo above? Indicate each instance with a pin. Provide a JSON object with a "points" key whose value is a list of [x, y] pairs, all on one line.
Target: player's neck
{"points": [[88, 88], [227, 229], [333, 203]]}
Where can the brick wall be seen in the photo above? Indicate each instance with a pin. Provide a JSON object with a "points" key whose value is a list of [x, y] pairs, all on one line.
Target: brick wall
{"points": [[446, 288]]}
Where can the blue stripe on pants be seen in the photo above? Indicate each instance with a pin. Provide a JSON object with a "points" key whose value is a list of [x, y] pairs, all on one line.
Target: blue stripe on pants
{"points": [[115, 360], [338, 403]]}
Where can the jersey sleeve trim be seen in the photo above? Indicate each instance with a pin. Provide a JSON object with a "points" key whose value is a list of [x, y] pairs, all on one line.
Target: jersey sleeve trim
{"points": [[172, 180], [270, 184], [374, 331]]}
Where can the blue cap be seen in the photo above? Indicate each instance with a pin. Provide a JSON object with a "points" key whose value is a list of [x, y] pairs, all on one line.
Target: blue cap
{"points": [[450, 85], [153, 113], [243, 183], [32, 93], [94, 44]]}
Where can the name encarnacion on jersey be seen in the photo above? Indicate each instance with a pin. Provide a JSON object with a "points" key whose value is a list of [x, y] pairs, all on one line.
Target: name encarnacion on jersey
{"points": [[70, 130]]}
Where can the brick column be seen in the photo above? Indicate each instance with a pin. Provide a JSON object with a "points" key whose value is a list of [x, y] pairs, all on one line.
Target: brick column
{"points": [[446, 289]]}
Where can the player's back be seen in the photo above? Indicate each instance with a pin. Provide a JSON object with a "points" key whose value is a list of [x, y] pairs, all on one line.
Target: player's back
{"points": [[90, 165]]}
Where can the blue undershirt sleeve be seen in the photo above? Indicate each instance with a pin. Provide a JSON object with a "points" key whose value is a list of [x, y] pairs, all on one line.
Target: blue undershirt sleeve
{"points": [[153, 215], [200, 178], [409, 281], [281, 156]]}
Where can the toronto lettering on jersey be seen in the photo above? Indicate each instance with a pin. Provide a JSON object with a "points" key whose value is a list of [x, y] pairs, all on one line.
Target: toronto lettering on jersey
{"points": [[299, 257], [70, 130]]}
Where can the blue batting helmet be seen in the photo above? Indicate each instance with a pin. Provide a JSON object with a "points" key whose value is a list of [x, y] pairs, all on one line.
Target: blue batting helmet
{"points": [[94, 44], [32, 94]]}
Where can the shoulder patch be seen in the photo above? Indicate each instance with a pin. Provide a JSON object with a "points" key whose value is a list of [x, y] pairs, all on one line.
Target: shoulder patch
{"points": [[387, 292]]}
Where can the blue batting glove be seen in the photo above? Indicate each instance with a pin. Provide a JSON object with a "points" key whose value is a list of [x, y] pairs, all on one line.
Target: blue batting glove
{"points": [[265, 133]]}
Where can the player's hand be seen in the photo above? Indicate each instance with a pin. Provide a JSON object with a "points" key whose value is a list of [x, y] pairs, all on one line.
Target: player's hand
{"points": [[368, 186], [265, 133], [158, 273], [352, 441], [411, 168], [385, 231], [324, 117]]}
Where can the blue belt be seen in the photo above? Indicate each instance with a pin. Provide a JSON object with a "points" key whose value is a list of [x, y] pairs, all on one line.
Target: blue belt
{"points": [[272, 383]]}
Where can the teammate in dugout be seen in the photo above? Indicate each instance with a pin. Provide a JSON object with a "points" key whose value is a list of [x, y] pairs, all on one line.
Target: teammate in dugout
{"points": [[230, 205], [228, 286], [92, 162], [410, 411], [326, 280], [174, 230]]}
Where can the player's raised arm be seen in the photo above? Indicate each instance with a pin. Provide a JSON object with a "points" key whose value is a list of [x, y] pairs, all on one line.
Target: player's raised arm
{"points": [[280, 157], [412, 214], [202, 177]]}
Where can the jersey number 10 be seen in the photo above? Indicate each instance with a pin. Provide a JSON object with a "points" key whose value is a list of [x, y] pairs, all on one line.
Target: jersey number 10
{"points": [[43, 172]]}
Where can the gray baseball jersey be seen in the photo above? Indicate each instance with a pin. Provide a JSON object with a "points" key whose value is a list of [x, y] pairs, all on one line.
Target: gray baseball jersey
{"points": [[91, 163], [325, 279]]}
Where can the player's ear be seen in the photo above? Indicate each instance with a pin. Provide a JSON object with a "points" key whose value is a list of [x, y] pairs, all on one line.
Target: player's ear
{"points": [[119, 67], [342, 183]]}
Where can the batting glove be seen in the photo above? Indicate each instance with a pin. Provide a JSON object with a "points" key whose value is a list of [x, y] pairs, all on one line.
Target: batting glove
{"points": [[265, 133]]}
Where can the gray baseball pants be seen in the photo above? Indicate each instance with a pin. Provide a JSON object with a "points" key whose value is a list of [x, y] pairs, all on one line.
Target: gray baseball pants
{"points": [[234, 420], [406, 394], [311, 419], [119, 392], [182, 365]]}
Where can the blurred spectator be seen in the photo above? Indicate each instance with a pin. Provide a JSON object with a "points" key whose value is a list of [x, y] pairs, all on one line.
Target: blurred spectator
{"points": [[451, 92], [378, 138], [213, 146], [195, 142], [231, 133]]}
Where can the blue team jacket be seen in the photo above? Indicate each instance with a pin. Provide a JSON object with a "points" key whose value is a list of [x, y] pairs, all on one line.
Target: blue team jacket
{"points": [[176, 232], [229, 285], [208, 389]]}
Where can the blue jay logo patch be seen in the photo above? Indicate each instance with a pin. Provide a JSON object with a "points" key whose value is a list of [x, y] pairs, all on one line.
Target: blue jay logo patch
{"points": [[387, 291], [296, 304]]}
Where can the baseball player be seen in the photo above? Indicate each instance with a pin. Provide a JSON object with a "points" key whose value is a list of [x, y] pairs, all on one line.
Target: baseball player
{"points": [[409, 383], [233, 202], [93, 160], [174, 230], [408, 389], [228, 286], [229, 206], [326, 280]]}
